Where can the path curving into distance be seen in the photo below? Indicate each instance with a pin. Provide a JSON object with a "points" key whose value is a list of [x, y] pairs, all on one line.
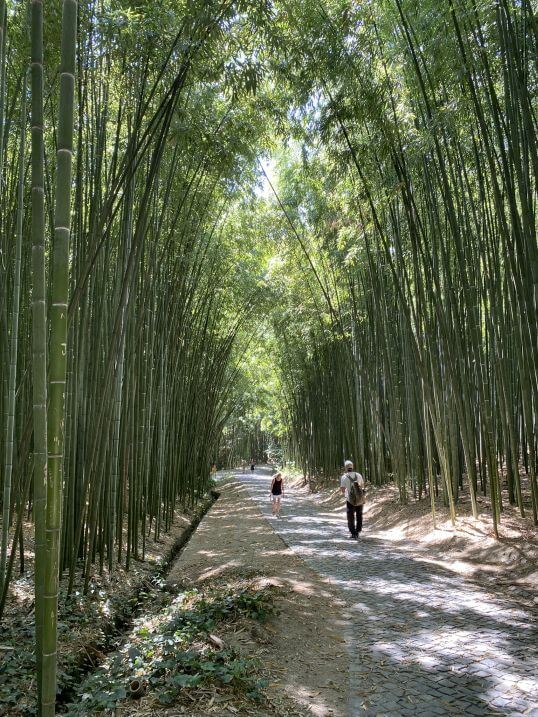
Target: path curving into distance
{"points": [[423, 641]]}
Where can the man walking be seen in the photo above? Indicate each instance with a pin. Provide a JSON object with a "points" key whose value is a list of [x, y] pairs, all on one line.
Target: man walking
{"points": [[352, 485]]}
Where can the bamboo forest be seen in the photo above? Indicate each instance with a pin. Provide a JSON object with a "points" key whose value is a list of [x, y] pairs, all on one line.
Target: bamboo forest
{"points": [[252, 248]]}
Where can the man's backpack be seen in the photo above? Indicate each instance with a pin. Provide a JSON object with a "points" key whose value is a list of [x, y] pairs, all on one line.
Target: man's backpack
{"points": [[356, 493]]}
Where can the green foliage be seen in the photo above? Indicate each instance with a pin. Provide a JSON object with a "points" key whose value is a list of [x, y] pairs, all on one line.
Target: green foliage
{"points": [[175, 654]]}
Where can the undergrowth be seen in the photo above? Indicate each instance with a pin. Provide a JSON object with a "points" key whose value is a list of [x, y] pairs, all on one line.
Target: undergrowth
{"points": [[173, 652], [89, 625]]}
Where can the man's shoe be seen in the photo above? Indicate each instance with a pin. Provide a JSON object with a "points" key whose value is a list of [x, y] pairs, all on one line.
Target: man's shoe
{"points": [[352, 536]]}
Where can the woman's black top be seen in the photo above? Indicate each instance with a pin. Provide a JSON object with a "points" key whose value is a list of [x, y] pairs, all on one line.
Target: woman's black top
{"points": [[277, 487]]}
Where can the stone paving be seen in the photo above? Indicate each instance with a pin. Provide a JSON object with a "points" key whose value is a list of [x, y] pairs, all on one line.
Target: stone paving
{"points": [[422, 640]]}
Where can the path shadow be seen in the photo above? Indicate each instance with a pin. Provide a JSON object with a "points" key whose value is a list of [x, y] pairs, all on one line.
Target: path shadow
{"points": [[423, 640]]}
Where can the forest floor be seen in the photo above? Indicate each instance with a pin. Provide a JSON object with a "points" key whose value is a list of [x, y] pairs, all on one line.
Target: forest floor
{"points": [[89, 623], [292, 662], [302, 651], [232, 553]]}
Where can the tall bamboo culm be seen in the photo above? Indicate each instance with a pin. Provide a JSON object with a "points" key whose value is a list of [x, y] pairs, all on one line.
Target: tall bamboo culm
{"points": [[39, 329], [58, 355]]}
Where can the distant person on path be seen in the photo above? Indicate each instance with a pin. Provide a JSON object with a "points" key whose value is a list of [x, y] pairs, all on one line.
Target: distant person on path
{"points": [[276, 492], [352, 485], [252, 466]]}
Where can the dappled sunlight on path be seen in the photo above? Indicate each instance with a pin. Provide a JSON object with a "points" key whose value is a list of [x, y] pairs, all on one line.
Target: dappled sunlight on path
{"points": [[422, 640]]}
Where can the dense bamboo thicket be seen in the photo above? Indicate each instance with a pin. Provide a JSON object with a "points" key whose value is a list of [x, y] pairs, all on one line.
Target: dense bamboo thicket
{"points": [[251, 431], [379, 301], [149, 331], [117, 310], [421, 207]]}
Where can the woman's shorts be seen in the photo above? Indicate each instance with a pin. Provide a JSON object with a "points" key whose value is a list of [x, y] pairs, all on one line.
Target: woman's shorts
{"points": [[274, 497]]}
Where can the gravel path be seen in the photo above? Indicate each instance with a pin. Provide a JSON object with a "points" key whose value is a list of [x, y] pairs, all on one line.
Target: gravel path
{"points": [[422, 640]]}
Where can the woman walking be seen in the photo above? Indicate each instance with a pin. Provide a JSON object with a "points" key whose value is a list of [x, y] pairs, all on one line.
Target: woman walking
{"points": [[276, 492]]}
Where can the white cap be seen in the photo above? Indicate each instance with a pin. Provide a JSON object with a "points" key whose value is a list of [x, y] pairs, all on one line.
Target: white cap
{"points": [[348, 464]]}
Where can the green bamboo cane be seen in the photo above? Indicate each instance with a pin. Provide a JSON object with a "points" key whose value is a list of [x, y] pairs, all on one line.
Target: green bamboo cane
{"points": [[39, 326], [58, 357]]}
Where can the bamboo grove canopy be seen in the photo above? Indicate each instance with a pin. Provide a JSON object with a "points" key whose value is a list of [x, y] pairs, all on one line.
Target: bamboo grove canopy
{"points": [[368, 289]]}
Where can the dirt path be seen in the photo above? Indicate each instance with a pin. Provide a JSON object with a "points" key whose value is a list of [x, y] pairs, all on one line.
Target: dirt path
{"points": [[425, 641], [303, 648]]}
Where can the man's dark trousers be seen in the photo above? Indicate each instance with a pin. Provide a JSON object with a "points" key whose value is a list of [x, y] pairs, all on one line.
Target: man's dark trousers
{"points": [[354, 518]]}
